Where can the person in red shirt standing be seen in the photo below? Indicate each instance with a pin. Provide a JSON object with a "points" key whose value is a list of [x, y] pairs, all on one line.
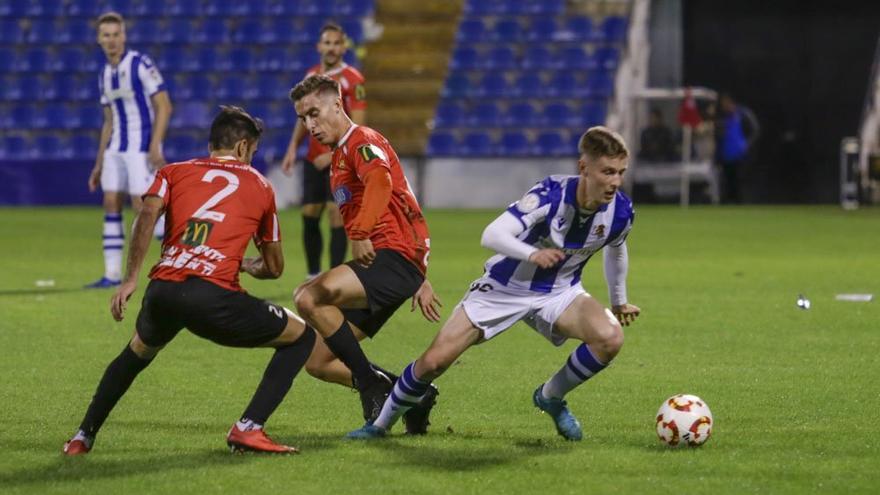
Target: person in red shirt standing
{"points": [[389, 243], [214, 206], [316, 172]]}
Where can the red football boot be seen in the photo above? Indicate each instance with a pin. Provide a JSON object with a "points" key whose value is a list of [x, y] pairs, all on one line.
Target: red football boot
{"points": [[255, 441], [76, 447]]}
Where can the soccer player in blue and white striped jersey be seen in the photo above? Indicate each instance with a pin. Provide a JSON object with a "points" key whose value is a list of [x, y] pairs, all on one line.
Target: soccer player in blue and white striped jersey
{"points": [[543, 242], [136, 114]]}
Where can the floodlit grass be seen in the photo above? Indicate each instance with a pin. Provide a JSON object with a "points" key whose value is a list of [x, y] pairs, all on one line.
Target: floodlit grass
{"points": [[794, 393]]}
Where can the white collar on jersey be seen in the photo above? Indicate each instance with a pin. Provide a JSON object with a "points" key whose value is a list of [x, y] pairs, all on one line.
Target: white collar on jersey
{"points": [[333, 72], [345, 137]]}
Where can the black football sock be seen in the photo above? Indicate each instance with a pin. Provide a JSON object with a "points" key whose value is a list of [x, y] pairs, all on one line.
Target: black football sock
{"points": [[346, 347], [338, 246], [313, 243], [118, 376], [278, 377], [385, 372]]}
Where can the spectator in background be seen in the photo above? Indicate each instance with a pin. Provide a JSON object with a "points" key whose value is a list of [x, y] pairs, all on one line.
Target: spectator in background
{"points": [[332, 45], [657, 143], [136, 114], [736, 131]]}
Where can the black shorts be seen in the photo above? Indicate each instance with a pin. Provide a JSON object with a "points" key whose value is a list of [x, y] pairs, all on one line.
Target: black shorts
{"points": [[316, 184], [389, 281], [224, 316]]}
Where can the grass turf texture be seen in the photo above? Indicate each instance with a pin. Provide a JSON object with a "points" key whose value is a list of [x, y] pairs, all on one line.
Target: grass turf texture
{"points": [[793, 392]]}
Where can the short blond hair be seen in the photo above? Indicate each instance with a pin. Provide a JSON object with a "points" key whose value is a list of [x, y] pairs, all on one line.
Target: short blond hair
{"points": [[110, 18], [600, 142]]}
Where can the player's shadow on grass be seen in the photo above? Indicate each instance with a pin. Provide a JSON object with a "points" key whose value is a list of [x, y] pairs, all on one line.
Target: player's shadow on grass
{"points": [[40, 291], [477, 457]]}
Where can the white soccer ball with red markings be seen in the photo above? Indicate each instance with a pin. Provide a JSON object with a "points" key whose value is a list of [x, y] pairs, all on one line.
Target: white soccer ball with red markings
{"points": [[684, 420]]}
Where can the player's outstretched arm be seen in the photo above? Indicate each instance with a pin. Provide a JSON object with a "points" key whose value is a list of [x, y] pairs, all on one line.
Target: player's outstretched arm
{"points": [[289, 160], [151, 210], [106, 131], [616, 268], [427, 301], [501, 236], [268, 266], [162, 104]]}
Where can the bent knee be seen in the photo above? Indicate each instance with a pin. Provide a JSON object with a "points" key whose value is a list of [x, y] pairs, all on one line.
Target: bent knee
{"points": [[609, 340], [305, 301]]}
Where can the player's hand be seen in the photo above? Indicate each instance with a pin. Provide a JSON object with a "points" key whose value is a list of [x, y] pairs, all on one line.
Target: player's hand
{"points": [[428, 302], [362, 252], [626, 313], [322, 161], [119, 300], [547, 258], [155, 157], [95, 178], [288, 162]]}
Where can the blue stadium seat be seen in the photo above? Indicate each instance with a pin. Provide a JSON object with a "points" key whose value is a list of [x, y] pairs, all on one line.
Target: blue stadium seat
{"points": [[500, 58], [274, 58], [74, 31], [84, 145], [579, 28], [494, 85], [442, 144], [127, 8], [181, 8], [317, 8], [489, 7], [558, 115], [464, 58], [471, 31], [592, 113], [449, 114], [69, 59], [514, 143], [259, 109], [275, 115], [600, 85], [614, 29], [552, 143], [59, 116], [145, 30], [214, 31], [32, 87], [575, 57], [205, 58], [521, 114], [528, 85], [94, 60], [41, 31], [9, 88], [85, 8], [11, 32], [91, 116], [85, 89], [544, 7], [172, 59], [476, 143], [47, 147], [36, 59], [177, 30], [354, 29], [272, 87], [457, 86], [63, 86], [180, 146], [508, 31], [358, 8], [242, 59], [15, 148], [485, 114], [39, 116], [201, 86], [542, 29], [606, 58], [6, 120], [283, 114], [254, 30], [538, 57], [8, 60], [563, 84]]}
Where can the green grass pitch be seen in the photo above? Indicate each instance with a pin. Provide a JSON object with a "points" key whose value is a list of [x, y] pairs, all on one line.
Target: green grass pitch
{"points": [[794, 393]]}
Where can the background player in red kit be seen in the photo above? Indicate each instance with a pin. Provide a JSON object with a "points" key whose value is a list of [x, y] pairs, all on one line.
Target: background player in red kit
{"points": [[389, 243], [316, 171], [214, 206]]}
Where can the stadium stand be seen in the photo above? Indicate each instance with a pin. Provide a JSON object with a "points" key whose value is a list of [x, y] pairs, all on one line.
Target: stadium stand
{"points": [[525, 79]]}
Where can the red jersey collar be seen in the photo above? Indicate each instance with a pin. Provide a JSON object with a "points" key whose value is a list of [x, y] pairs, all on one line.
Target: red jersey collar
{"points": [[345, 137]]}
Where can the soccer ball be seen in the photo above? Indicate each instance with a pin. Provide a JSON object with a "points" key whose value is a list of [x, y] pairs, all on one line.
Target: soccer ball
{"points": [[684, 420]]}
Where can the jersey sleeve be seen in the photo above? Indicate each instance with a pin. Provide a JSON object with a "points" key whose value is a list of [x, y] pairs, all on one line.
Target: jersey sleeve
{"points": [[150, 76], [536, 203], [366, 156], [269, 230], [161, 186], [356, 93], [624, 216]]}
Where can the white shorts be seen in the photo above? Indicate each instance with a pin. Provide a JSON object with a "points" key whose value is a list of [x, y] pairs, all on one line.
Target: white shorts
{"points": [[126, 172], [493, 308]]}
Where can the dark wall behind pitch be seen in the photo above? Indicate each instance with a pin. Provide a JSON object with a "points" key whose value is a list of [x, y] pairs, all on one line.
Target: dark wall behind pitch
{"points": [[803, 67]]}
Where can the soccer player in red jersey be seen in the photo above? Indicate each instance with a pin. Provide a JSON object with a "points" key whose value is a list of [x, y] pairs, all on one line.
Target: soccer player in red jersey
{"points": [[389, 243], [214, 206], [316, 172]]}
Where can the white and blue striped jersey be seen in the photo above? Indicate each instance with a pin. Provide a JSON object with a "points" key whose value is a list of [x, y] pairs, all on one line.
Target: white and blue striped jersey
{"points": [[552, 219], [127, 88]]}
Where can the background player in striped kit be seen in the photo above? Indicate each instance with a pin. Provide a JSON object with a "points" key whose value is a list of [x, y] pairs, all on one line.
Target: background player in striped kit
{"points": [[543, 242], [316, 165], [136, 113]]}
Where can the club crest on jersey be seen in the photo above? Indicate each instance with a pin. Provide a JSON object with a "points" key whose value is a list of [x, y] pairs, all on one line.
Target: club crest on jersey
{"points": [[341, 165], [528, 203], [600, 230], [370, 152], [341, 195]]}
